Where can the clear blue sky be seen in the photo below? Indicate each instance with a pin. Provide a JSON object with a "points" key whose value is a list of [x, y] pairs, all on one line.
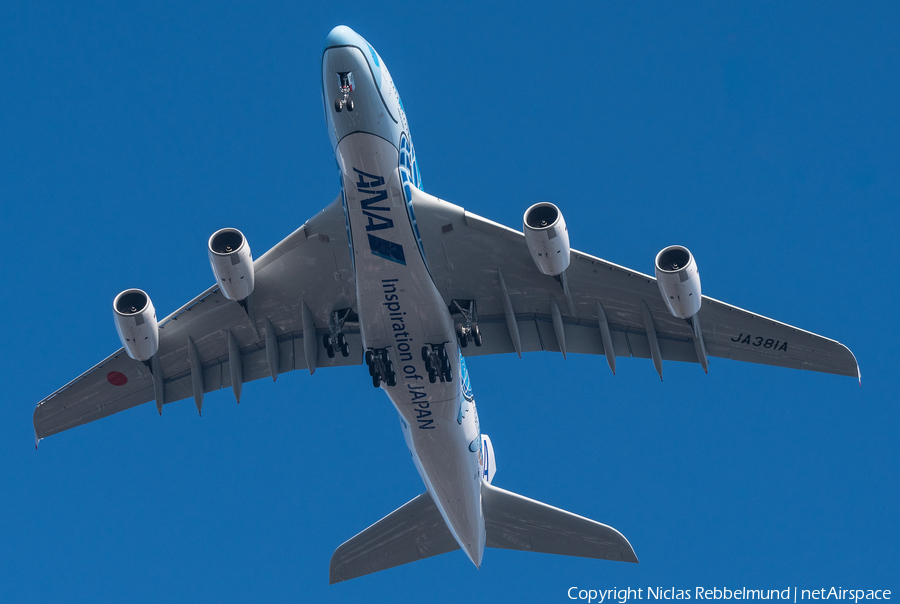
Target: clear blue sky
{"points": [[763, 137]]}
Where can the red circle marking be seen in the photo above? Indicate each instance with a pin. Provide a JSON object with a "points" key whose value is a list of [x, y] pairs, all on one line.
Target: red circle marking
{"points": [[116, 379]]}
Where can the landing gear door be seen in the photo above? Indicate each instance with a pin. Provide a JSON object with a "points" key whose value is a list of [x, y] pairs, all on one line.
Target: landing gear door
{"points": [[487, 459], [345, 81]]}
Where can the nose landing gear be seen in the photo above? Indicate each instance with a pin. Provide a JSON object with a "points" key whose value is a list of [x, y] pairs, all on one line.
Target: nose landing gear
{"points": [[380, 367], [345, 79], [437, 363]]}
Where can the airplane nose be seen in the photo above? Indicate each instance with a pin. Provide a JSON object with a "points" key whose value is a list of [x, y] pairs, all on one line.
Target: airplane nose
{"points": [[341, 36]]}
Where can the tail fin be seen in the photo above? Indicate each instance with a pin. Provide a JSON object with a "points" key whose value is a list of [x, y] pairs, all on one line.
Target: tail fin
{"points": [[417, 530]]}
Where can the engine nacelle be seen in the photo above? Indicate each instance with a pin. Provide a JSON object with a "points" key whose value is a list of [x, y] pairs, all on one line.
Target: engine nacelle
{"points": [[232, 263], [136, 323], [547, 238], [679, 281]]}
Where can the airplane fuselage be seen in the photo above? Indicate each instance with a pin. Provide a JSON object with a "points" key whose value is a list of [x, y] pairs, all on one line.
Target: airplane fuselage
{"points": [[402, 316]]}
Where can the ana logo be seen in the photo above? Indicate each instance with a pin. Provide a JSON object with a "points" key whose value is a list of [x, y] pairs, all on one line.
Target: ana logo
{"points": [[377, 215]]}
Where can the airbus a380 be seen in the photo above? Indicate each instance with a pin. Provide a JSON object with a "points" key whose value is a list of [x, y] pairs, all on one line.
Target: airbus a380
{"points": [[410, 285]]}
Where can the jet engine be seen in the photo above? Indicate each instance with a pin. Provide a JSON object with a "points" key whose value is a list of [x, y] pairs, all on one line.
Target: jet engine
{"points": [[547, 238], [232, 263], [136, 323], [679, 281]]}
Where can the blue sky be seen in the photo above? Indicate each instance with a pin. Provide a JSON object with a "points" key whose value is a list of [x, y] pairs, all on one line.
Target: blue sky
{"points": [[762, 136]]}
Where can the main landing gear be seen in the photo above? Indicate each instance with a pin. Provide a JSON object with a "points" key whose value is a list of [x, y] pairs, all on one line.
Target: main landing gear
{"points": [[380, 367], [335, 340], [468, 331], [437, 363]]}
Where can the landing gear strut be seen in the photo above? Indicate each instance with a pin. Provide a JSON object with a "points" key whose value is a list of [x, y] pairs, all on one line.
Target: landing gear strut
{"points": [[335, 340], [380, 367], [437, 363], [468, 331]]}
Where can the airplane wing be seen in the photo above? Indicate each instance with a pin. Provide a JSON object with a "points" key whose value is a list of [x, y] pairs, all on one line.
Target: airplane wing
{"points": [[520, 309], [310, 267], [603, 309]]}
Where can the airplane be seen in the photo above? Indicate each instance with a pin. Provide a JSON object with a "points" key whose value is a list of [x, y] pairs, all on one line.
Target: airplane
{"points": [[411, 285]]}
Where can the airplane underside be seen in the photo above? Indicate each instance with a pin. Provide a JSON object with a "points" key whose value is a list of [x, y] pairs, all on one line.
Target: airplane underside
{"points": [[390, 277]]}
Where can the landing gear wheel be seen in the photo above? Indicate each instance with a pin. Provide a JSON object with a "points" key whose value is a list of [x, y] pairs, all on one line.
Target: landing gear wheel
{"points": [[478, 339], [392, 380], [350, 105], [372, 370], [343, 345], [330, 351], [461, 335], [447, 376], [432, 377], [425, 354], [376, 380], [370, 358], [338, 105]]}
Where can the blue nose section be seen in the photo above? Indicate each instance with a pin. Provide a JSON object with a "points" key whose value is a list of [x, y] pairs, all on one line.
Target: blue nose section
{"points": [[343, 36]]}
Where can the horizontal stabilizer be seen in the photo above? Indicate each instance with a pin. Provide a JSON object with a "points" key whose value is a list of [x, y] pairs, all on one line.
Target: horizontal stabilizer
{"points": [[417, 530], [412, 532], [515, 522]]}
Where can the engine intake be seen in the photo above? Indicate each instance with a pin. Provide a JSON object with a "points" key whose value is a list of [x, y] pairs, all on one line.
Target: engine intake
{"points": [[679, 281], [547, 238], [232, 263], [136, 324]]}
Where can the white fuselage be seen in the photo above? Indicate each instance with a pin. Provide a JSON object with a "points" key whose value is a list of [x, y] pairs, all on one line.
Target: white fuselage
{"points": [[399, 307]]}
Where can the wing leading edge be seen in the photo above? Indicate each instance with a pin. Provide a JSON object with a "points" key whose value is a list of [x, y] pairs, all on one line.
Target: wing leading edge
{"points": [[478, 260], [310, 267]]}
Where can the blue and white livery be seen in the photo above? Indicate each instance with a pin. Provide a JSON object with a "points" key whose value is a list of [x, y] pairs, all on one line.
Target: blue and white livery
{"points": [[410, 285]]}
